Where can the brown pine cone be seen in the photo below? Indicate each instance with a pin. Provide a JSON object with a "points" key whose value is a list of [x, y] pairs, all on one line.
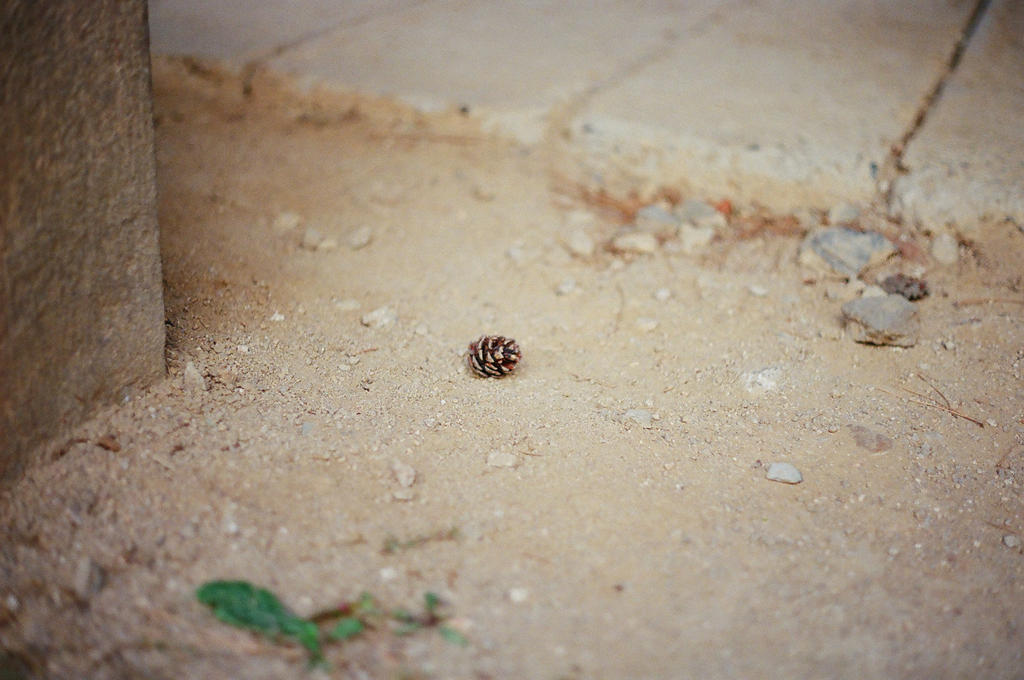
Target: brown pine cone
{"points": [[493, 356]]}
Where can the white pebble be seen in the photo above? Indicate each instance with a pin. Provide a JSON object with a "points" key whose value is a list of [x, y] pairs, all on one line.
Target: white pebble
{"points": [[360, 238], [404, 473], [580, 244], [277, 316], [388, 574], [286, 221], [380, 317], [662, 294], [1011, 541], [192, 378], [518, 595], [646, 324], [784, 472], [311, 239], [347, 305], [693, 239], [757, 291], [762, 380], [565, 287], [945, 249], [640, 416], [636, 242]]}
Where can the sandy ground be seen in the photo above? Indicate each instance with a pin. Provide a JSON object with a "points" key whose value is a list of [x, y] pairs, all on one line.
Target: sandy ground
{"points": [[605, 547]]}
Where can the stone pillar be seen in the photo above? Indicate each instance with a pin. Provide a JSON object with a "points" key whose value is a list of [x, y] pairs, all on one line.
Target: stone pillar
{"points": [[81, 300]]}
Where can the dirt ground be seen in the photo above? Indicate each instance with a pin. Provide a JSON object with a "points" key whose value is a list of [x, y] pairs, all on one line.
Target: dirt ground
{"points": [[601, 513]]}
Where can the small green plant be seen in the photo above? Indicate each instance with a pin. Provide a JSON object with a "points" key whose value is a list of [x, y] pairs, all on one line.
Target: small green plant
{"points": [[241, 604]]}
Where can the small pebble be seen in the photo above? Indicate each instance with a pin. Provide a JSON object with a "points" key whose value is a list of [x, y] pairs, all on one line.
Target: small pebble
{"points": [[784, 472], [347, 305], [518, 595], [640, 416], [360, 238], [286, 221], [193, 379], [404, 473], [693, 239], [388, 574], [945, 249], [277, 316], [565, 287], [580, 244], [662, 294], [1011, 541], [327, 244], [908, 286], [654, 219], [646, 324], [762, 380], [757, 291], [844, 250], [311, 239], [701, 214], [380, 317], [637, 242], [502, 459]]}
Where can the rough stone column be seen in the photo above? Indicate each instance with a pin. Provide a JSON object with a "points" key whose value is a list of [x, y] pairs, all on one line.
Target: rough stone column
{"points": [[81, 302]]}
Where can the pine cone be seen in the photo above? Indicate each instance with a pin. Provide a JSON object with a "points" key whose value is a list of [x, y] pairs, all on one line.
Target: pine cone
{"points": [[493, 356]]}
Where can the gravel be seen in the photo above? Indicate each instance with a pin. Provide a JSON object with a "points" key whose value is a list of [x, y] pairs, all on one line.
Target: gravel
{"points": [[945, 249]]}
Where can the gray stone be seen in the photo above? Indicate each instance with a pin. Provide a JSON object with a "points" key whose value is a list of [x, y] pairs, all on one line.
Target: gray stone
{"points": [[1011, 541], [700, 214], [784, 472], [81, 312], [844, 250], [656, 220], [889, 320]]}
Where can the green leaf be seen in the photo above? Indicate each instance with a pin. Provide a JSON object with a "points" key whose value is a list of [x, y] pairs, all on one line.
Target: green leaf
{"points": [[241, 604], [347, 628], [453, 636], [432, 602]]}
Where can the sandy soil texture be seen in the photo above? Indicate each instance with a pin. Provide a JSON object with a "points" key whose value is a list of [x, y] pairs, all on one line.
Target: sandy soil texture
{"points": [[603, 512]]}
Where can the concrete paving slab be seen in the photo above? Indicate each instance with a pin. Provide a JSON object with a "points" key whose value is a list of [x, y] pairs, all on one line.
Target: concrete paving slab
{"points": [[504, 58], [784, 103], [237, 31], [787, 104], [967, 162]]}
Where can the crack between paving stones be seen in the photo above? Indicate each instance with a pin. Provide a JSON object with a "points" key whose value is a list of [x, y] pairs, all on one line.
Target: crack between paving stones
{"points": [[255, 64], [561, 116], [893, 165]]}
